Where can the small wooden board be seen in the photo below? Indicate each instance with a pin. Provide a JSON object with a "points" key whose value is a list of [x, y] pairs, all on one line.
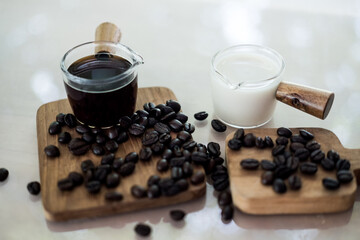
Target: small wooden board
{"points": [[60, 206], [250, 196]]}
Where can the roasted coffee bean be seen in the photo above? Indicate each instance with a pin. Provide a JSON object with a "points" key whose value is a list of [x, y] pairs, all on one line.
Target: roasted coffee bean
{"points": [[89, 176], [312, 146], [132, 157], [184, 136], [87, 165], [269, 142], [189, 145], [4, 173], [330, 183], [344, 176], [52, 151], [213, 149], [176, 173], [292, 163], [227, 213], [168, 117], [167, 154], [134, 118], [218, 126], [249, 164], [165, 184], [280, 160], [145, 154], [187, 155], [295, 146], [181, 117], [219, 175], [161, 128], [76, 178], [283, 172], [305, 134], [187, 169], [182, 184], [142, 229], [148, 106], [108, 159], [54, 128], [201, 115], [177, 151], [224, 199], [78, 146], [282, 140], [65, 184], [93, 186], [142, 113], [165, 138], [267, 165], [221, 185], [210, 167], [294, 182], [234, 144], [249, 140], [82, 129], [177, 161], [174, 105], [155, 113], [199, 158], [333, 155], [287, 154], [157, 148], [64, 137], [97, 149], [125, 122], [100, 174], [308, 168], [100, 139], [153, 191], [202, 149], [138, 191], [298, 138], [302, 154], [267, 178], [112, 133], [239, 134], [153, 180], [88, 137], [162, 165], [96, 130], [60, 119], [317, 156], [106, 167], [151, 122], [164, 109], [117, 163], [283, 131], [70, 120], [113, 196], [111, 146], [143, 121], [177, 215], [136, 129], [343, 164], [127, 168], [197, 178], [279, 149], [174, 142], [279, 186], [327, 164], [112, 180], [34, 188], [260, 143], [175, 125], [189, 127]]}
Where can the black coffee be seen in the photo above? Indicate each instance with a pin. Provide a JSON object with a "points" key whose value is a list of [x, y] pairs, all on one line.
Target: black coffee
{"points": [[102, 105]]}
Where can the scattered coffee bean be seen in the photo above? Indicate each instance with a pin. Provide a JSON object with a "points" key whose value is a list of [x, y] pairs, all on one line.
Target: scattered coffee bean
{"points": [[157, 148], [327, 164], [302, 154], [127, 168], [249, 164], [100, 174], [330, 183], [97, 149], [282, 140], [177, 161], [279, 186], [221, 184], [249, 140], [70, 120], [267, 178], [132, 157], [282, 172], [298, 138], [234, 144], [145, 154], [54, 128], [96, 130], [213, 149], [87, 165], [197, 178], [122, 137], [168, 117], [138, 191], [224, 199], [201, 115], [344, 176], [162, 165], [148, 106], [64, 137], [292, 163], [218, 126], [294, 182], [142, 229], [162, 128], [187, 169], [34, 188], [267, 165], [112, 180], [176, 173], [177, 215], [312, 146], [343, 164], [65, 184], [317, 156], [182, 184], [100, 139], [111, 146], [305, 134], [280, 160], [117, 163], [107, 159], [113, 196], [78, 146], [136, 129], [283, 131], [260, 143], [181, 117], [269, 142], [76, 178], [189, 127], [93, 186], [52, 151], [153, 191], [308, 168], [142, 113], [125, 122], [279, 149], [82, 129], [333, 155], [153, 180], [184, 136], [200, 158], [175, 125], [60, 119], [239, 134], [295, 146], [227, 213], [149, 138], [4, 173], [88, 137], [112, 133]]}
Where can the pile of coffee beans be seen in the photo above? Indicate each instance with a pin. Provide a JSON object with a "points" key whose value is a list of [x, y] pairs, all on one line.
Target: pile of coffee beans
{"points": [[293, 154]]}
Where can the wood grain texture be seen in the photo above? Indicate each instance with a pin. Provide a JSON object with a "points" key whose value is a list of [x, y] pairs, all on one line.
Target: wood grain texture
{"points": [[313, 101], [107, 32], [250, 196], [60, 206]]}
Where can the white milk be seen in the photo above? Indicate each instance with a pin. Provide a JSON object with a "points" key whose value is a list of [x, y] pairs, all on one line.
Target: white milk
{"points": [[239, 98]]}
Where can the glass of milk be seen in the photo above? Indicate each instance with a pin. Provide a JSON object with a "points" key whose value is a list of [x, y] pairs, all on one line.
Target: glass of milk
{"points": [[244, 79]]}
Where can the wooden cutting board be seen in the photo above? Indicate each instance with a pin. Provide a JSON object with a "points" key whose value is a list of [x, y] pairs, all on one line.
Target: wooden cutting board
{"points": [[250, 196], [60, 206]]}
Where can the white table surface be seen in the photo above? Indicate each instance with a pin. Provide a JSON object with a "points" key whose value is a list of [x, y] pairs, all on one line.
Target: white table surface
{"points": [[319, 40]]}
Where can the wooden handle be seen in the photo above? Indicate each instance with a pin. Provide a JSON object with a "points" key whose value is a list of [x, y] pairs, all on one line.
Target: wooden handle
{"points": [[313, 101], [107, 32]]}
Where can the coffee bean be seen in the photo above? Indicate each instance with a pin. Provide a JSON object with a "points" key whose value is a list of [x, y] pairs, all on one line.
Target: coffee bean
{"points": [[113, 196], [93, 186], [52, 151], [181, 117], [107, 159], [162, 128], [88, 137], [70, 120], [227, 213], [249, 164], [132, 157], [142, 229], [142, 113], [283, 131], [153, 180], [295, 146], [87, 165], [292, 163], [282, 140], [64, 137], [122, 137], [279, 149], [294, 182], [100, 139], [308, 168], [112, 180], [54, 128], [317, 156], [165, 184], [283, 172], [201, 115], [234, 144], [176, 173], [197, 178], [138, 191], [177, 215], [155, 113], [162, 165], [4, 173], [177, 161], [143, 121], [330, 183], [145, 154], [174, 142], [184, 136], [249, 140], [279, 186], [60, 119], [189, 145], [112, 133], [153, 191], [96, 130], [34, 188], [97, 149], [189, 127], [134, 118], [260, 143], [187, 155], [127, 168], [148, 106], [175, 125], [312, 146], [111, 146], [82, 129], [218, 126], [187, 169], [221, 184], [268, 142], [302, 154], [182, 184], [168, 117], [164, 109], [157, 148], [117, 163], [100, 174], [305, 134], [344, 176], [224, 199], [89, 176], [280, 160], [267, 165], [200, 158], [298, 138], [343, 164], [78, 146], [333, 155], [327, 164], [125, 122], [167, 154], [202, 149], [65, 184], [136, 129], [213, 149], [239, 134], [267, 178]]}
